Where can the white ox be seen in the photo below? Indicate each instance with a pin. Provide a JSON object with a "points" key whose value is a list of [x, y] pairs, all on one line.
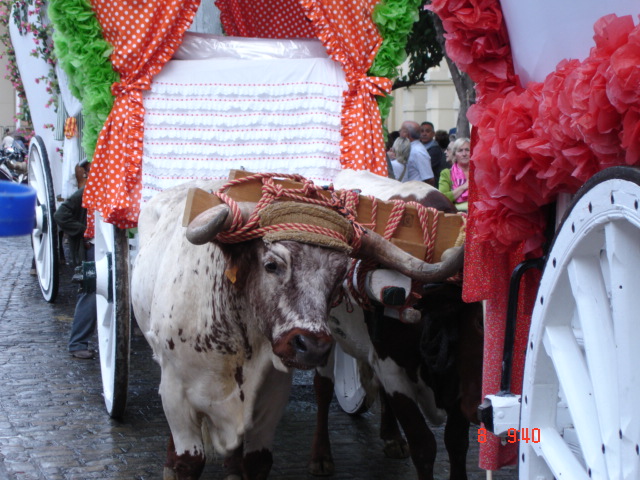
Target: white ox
{"points": [[228, 322]]}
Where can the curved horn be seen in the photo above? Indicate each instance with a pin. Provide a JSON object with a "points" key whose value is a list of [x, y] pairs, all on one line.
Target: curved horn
{"points": [[383, 251], [213, 221]]}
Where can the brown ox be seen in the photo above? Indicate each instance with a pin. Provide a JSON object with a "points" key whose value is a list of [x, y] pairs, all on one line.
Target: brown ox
{"points": [[438, 359]]}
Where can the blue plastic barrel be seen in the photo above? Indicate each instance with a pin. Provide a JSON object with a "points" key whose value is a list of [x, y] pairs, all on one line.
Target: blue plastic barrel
{"points": [[17, 209]]}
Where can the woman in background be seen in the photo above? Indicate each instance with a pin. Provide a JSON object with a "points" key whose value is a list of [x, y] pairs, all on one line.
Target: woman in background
{"points": [[454, 181], [401, 148]]}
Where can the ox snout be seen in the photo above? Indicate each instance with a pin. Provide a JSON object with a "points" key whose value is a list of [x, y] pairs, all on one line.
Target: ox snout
{"points": [[303, 350]]}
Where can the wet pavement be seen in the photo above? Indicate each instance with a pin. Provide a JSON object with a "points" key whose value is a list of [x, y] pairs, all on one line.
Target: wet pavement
{"points": [[53, 424]]}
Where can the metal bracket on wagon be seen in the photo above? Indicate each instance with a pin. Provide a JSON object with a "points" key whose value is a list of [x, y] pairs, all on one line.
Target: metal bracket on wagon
{"points": [[500, 413], [87, 276]]}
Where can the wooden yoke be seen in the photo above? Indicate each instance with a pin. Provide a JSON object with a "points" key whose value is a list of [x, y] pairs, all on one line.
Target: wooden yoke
{"points": [[408, 235]]}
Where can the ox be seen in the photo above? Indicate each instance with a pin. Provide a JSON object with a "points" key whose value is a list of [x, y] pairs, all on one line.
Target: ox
{"points": [[435, 362], [228, 322]]}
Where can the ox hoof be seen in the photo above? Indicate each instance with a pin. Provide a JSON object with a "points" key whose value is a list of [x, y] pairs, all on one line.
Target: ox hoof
{"points": [[168, 474], [396, 449], [322, 468]]}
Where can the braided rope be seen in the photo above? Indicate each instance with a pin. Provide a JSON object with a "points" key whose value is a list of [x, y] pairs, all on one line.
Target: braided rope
{"points": [[429, 233], [272, 191]]}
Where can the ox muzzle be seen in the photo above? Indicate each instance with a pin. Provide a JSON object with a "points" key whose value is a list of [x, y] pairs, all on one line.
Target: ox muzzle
{"points": [[302, 349]]}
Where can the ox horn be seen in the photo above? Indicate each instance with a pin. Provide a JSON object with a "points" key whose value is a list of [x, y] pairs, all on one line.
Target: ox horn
{"points": [[215, 220], [383, 251]]}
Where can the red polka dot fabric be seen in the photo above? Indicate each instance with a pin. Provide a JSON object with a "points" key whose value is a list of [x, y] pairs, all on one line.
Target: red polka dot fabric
{"points": [[264, 19], [145, 35]]}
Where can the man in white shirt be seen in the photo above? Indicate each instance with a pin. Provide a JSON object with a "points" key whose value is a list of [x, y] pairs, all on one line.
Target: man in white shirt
{"points": [[419, 163]]}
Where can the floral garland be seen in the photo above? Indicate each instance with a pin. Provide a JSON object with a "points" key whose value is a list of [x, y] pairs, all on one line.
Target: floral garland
{"points": [[84, 56], [549, 138], [41, 31]]}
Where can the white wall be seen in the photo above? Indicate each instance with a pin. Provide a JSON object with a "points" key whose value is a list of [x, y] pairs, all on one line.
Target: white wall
{"points": [[434, 100]]}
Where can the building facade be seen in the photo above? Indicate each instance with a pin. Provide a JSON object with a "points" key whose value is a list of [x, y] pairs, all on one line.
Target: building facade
{"points": [[435, 100]]}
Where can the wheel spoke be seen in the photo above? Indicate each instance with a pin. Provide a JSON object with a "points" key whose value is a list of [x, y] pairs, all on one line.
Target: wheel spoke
{"points": [[592, 302], [561, 345], [623, 256], [558, 456]]}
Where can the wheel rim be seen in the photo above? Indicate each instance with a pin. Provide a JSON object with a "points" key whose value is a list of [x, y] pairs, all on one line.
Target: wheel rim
{"points": [[348, 388], [45, 234], [581, 387], [113, 319]]}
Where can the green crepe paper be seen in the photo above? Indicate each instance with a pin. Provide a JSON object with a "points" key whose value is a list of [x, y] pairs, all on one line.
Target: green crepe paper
{"points": [[84, 56], [394, 19]]}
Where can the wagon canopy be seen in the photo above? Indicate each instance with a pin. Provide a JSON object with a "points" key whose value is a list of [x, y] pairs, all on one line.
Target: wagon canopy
{"points": [[145, 35]]}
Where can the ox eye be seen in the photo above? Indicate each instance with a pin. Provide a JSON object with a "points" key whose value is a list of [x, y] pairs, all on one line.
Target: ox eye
{"points": [[271, 267]]}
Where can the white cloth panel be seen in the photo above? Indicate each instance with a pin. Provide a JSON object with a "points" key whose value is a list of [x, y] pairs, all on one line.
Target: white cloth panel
{"points": [[206, 117], [545, 32], [73, 152], [196, 46]]}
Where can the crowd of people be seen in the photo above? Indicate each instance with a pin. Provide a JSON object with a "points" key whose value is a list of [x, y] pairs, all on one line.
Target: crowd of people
{"points": [[419, 152]]}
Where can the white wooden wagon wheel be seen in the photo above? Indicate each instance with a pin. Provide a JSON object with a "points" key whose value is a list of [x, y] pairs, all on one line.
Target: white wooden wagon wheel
{"points": [[581, 386], [45, 232], [113, 313], [348, 388]]}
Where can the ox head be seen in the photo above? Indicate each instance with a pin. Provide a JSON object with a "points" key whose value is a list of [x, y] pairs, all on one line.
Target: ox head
{"points": [[290, 283]]}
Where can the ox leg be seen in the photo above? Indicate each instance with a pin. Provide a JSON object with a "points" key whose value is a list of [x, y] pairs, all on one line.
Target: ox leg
{"points": [[422, 441], [271, 400], [233, 465], [456, 440], [321, 463], [185, 452], [395, 446], [181, 467]]}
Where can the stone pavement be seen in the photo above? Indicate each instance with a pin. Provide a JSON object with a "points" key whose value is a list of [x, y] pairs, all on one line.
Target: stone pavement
{"points": [[53, 425]]}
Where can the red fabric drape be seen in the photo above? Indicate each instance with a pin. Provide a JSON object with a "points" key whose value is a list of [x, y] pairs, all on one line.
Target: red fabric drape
{"points": [[264, 19], [347, 30], [144, 36]]}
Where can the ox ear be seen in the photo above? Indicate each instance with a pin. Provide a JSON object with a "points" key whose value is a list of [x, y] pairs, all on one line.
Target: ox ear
{"points": [[383, 251]]}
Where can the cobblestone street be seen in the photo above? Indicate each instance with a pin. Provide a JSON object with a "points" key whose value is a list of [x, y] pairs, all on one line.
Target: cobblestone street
{"points": [[53, 424]]}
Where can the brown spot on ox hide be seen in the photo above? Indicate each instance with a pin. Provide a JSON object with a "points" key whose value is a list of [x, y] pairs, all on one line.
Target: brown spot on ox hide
{"points": [[186, 465], [170, 344], [257, 465]]}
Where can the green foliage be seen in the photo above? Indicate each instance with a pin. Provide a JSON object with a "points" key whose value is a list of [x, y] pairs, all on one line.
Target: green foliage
{"points": [[423, 50], [84, 56]]}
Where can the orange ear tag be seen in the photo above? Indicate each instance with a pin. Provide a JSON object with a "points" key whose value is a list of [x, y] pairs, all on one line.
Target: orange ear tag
{"points": [[231, 274]]}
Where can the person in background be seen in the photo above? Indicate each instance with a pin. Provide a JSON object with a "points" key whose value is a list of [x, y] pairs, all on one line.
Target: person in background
{"points": [[454, 181], [71, 218], [419, 162], [401, 149], [449, 155], [391, 154], [442, 138], [7, 139], [438, 159]]}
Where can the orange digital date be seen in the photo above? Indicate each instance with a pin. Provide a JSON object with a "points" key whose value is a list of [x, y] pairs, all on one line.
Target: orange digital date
{"points": [[513, 435]]}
